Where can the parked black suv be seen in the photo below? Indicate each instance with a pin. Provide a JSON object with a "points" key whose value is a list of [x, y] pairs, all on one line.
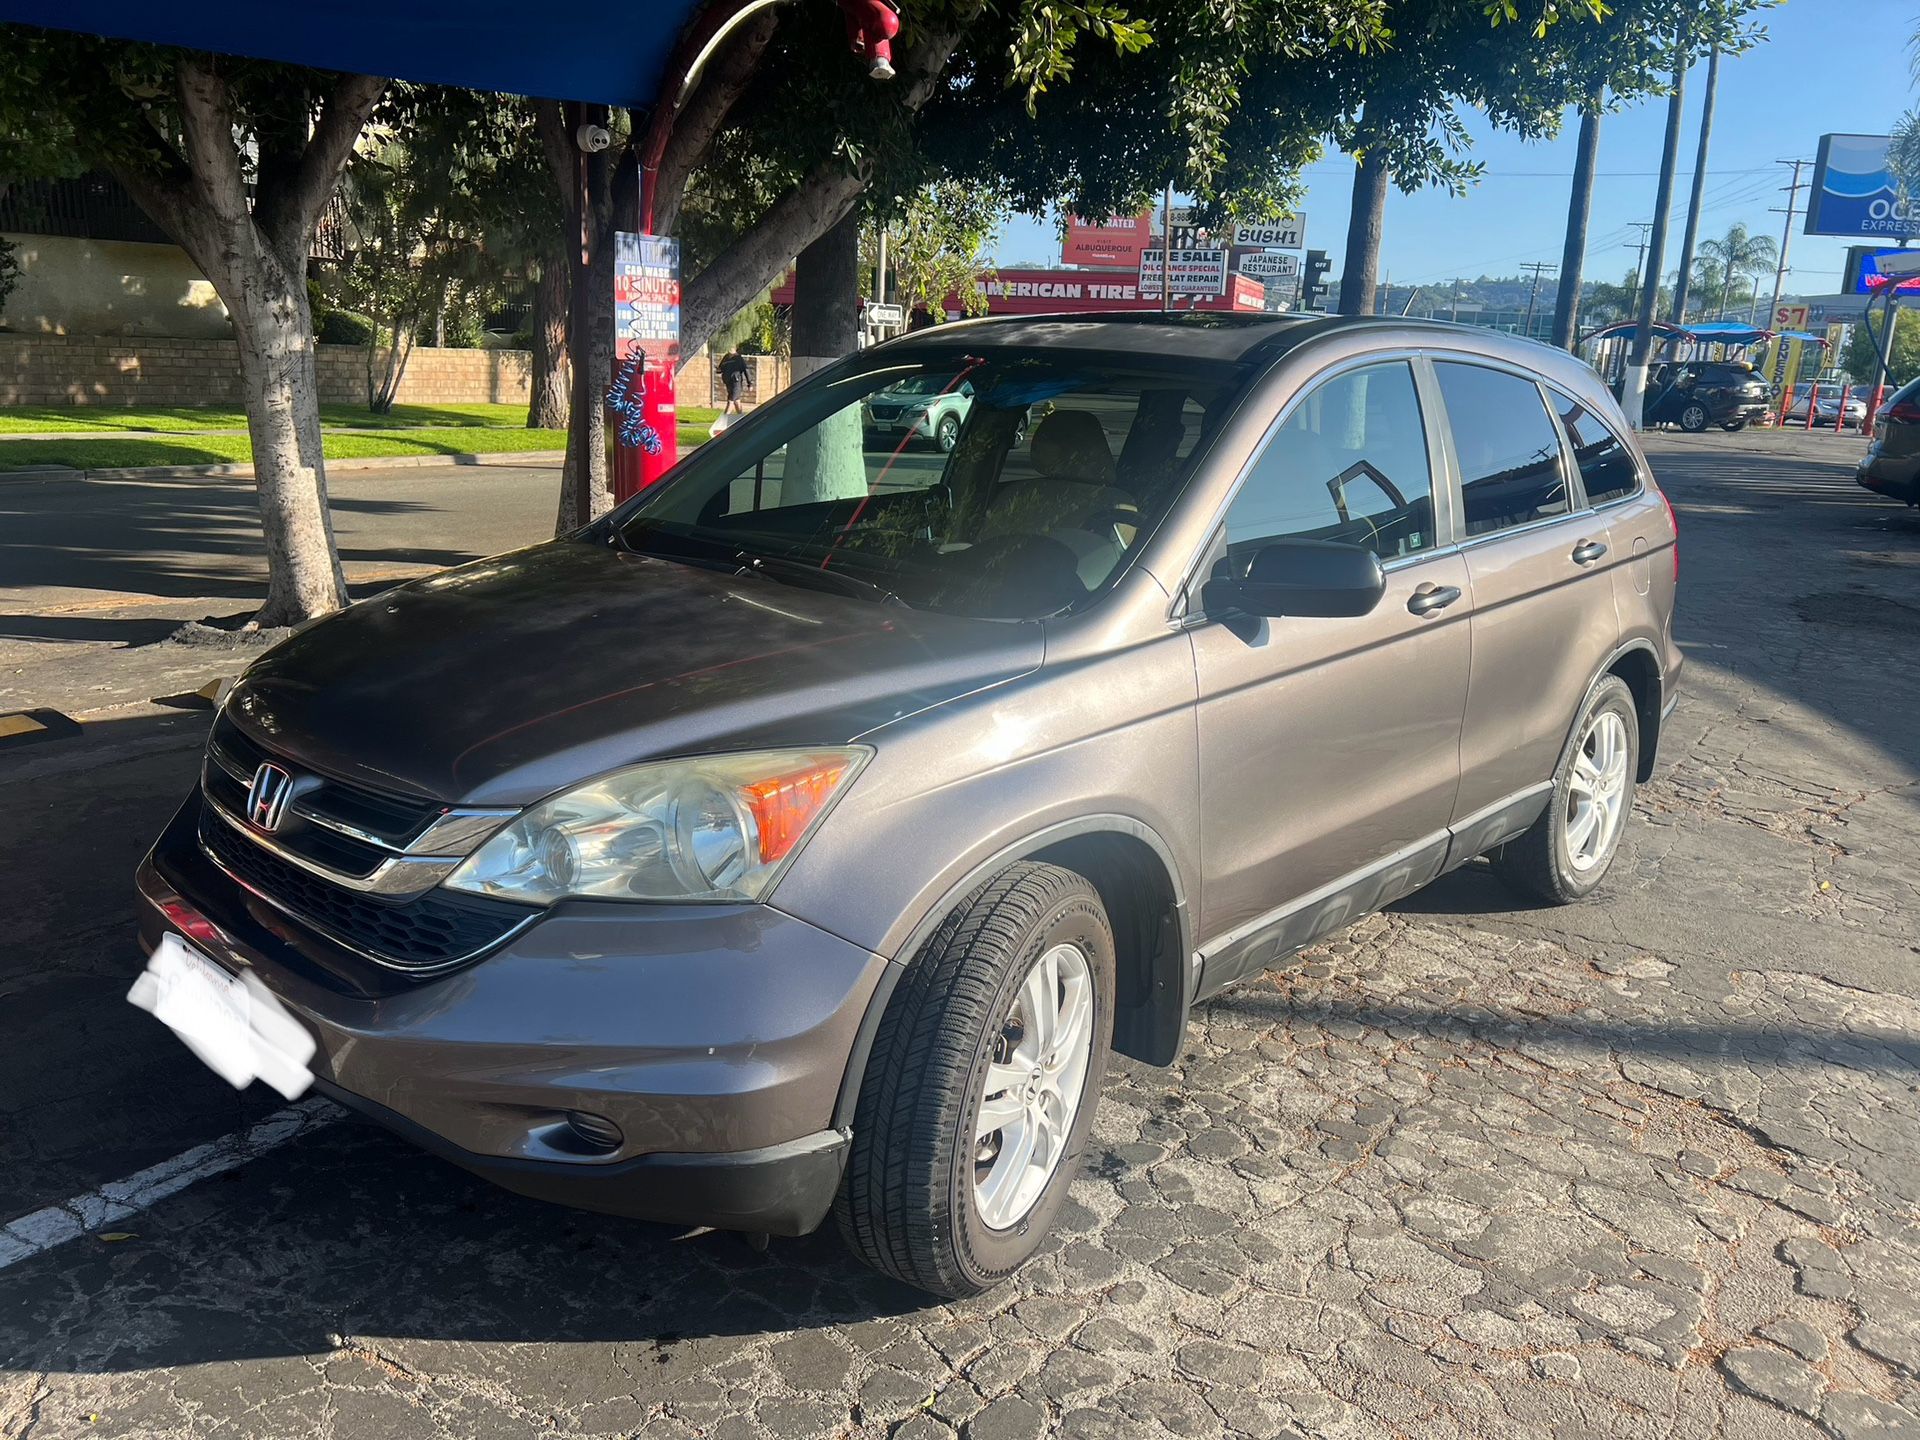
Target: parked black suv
{"points": [[1696, 394]]}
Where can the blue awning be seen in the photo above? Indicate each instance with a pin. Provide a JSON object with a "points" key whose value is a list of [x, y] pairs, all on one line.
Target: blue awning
{"points": [[610, 54]]}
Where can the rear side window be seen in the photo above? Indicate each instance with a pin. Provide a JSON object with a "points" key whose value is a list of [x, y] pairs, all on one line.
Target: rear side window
{"points": [[1349, 465], [1606, 465], [1508, 446]]}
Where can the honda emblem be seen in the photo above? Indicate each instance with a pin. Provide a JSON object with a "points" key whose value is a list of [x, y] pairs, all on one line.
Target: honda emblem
{"points": [[267, 796]]}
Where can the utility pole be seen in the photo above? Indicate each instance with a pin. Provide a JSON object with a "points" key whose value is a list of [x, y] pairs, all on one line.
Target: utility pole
{"points": [[1699, 187], [1573, 257], [1457, 282], [1533, 293], [1786, 232], [1166, 248], [1639, 247], [1636, 387]]}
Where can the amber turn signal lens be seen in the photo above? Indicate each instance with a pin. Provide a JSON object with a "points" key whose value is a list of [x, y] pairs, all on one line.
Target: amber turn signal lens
{"points": [[783, 806]]}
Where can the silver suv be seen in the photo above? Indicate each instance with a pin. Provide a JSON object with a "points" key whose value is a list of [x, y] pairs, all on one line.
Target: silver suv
{"points": [[803, 837]]}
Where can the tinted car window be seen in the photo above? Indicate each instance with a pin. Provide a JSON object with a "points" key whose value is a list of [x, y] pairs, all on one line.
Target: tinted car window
{"points": [[1349, 464], [1062, 466], [1509, 450], [1606, 465]]}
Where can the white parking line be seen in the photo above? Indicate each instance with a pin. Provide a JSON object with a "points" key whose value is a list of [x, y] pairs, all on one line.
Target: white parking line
{"points": [[30, 1235]]}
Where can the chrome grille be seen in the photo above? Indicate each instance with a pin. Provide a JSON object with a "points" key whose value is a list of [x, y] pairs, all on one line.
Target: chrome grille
{"points": [[434, 932], [360, 839]]}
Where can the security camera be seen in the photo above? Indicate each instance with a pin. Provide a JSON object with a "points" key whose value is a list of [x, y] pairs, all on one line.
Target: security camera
{"points": [[591, 138]]}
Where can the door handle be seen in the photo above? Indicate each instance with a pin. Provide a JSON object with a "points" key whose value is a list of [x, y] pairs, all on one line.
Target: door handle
{"points": [[1429, 598], [1587, 551]]}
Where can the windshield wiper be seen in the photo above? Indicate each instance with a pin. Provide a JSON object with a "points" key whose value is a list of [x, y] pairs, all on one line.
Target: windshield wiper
{"points": [[801, 572]]}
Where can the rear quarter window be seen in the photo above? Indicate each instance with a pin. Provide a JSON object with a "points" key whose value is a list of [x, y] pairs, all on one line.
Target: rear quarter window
{"points": [[1606, 465]]}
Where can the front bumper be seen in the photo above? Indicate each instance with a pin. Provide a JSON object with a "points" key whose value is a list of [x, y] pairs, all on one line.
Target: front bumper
{"points": [[715, 1039]]}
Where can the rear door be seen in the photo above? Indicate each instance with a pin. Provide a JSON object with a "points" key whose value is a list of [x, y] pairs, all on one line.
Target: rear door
{"points": [[1330, 746], [1538, 560]]}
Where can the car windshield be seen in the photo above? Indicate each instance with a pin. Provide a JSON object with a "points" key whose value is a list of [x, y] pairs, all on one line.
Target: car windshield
{"points": [[918, 385], [1060, 468]]}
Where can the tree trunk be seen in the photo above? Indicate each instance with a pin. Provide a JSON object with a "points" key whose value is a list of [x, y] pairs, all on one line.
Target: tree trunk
{"points": [[274, 330], [1358, 278], [586, 490], [826, 298], [548, 402], [1566, 303], [253, 248], [1694, 202], [826, 463]]}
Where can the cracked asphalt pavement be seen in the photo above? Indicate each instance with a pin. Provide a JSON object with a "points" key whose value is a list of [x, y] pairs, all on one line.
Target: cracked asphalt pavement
{"points": [[1646, 1166]]}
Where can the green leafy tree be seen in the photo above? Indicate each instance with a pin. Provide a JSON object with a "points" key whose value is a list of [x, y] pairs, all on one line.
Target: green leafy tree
{"points": [[236, 160], [1399, 103], [937, 244], [1862, 357]]}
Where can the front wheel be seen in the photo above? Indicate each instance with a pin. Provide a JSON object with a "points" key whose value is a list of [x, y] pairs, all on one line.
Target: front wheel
{"points": [[1694, 418], [1734, 427], [947, 433], [1567, 852], [977, 1100]]}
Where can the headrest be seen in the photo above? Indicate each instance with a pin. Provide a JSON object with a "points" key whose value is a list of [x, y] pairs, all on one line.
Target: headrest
{"points": [[1072, 445]]}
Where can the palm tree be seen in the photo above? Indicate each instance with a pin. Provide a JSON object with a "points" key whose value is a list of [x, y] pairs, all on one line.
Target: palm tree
{"points": [[1738, 255]]}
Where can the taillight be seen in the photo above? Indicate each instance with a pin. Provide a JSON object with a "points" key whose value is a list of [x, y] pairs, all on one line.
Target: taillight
{"points": [[1906, 412], [1674, 521]]}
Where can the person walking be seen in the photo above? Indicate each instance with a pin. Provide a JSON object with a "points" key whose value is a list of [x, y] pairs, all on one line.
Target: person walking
{"points": [[734, 370]]}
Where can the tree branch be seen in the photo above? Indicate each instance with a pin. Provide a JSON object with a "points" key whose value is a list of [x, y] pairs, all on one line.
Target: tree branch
{"points": [[702, 116], [550, 122], [302, 195], [764, 250]]}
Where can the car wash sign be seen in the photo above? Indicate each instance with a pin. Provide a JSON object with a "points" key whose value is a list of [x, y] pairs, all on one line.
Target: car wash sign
{"points": [[1854, 191]]}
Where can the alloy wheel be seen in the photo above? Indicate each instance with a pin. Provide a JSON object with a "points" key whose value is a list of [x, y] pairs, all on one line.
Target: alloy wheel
{"points": [[1596, 790], [1034, 1085]]}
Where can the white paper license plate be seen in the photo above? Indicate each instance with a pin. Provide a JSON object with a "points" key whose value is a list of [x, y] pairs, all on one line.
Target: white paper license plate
{"points": [[233, 1023]]}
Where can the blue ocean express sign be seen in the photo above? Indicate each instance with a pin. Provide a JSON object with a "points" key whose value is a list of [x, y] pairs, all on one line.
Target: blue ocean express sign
{"points": [[1854, 192]]}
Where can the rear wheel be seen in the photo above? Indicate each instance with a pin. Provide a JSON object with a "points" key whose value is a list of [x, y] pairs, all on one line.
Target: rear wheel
{"points": [[977, 1100], [1567, 852], [1693, 418], [1734, 426]]}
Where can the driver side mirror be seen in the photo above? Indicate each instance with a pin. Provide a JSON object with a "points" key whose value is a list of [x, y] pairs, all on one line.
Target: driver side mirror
{"points": [[1302, 577]]}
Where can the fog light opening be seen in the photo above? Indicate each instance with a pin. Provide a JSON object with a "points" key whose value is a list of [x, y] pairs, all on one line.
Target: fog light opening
{"points": [[595, 1134]]}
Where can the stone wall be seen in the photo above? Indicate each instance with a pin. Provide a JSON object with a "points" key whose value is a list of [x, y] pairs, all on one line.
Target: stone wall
{"points": [[106, 370]]}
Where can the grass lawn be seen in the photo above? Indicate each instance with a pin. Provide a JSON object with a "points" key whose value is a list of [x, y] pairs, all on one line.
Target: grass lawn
{"points": [[182, 420], [185, 420], [218, 449]]}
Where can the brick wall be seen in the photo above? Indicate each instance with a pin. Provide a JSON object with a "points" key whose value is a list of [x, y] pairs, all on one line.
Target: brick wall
{"points": [[87, 370]]}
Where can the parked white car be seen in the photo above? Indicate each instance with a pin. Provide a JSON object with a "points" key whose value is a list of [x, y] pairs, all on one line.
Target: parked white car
{"points": [[1826, 403]]}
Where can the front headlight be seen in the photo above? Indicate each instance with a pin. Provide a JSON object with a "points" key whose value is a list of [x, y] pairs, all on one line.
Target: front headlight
{"points": [[711, 828]]}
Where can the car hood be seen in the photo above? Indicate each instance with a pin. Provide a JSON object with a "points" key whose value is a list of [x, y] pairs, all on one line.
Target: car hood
{"points": [[499, 682]]}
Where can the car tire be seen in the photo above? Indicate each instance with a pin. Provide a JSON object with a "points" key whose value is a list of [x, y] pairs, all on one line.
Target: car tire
{"points": [[1694, 418], [1556, 860], [1734, 427], [917, 1196], [947, 433]]}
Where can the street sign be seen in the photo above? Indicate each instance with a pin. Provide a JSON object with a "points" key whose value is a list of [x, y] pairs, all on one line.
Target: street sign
{"points": [[1262, 266], [1189, 272], [1854, 192], [1289, 232], [885, 315]]}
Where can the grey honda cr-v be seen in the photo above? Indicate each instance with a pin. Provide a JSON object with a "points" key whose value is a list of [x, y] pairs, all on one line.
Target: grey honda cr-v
{"points": [[803, 836]]}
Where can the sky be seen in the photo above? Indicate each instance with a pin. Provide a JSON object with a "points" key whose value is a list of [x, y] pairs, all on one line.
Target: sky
{"points": [[1826, 66]]}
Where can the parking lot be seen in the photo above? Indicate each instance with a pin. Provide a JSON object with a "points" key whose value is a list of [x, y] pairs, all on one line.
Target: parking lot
{"points": [[1643, 1167]]}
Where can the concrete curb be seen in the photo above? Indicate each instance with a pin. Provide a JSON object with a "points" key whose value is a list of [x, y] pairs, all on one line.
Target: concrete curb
{"points": [[239, 471]]}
